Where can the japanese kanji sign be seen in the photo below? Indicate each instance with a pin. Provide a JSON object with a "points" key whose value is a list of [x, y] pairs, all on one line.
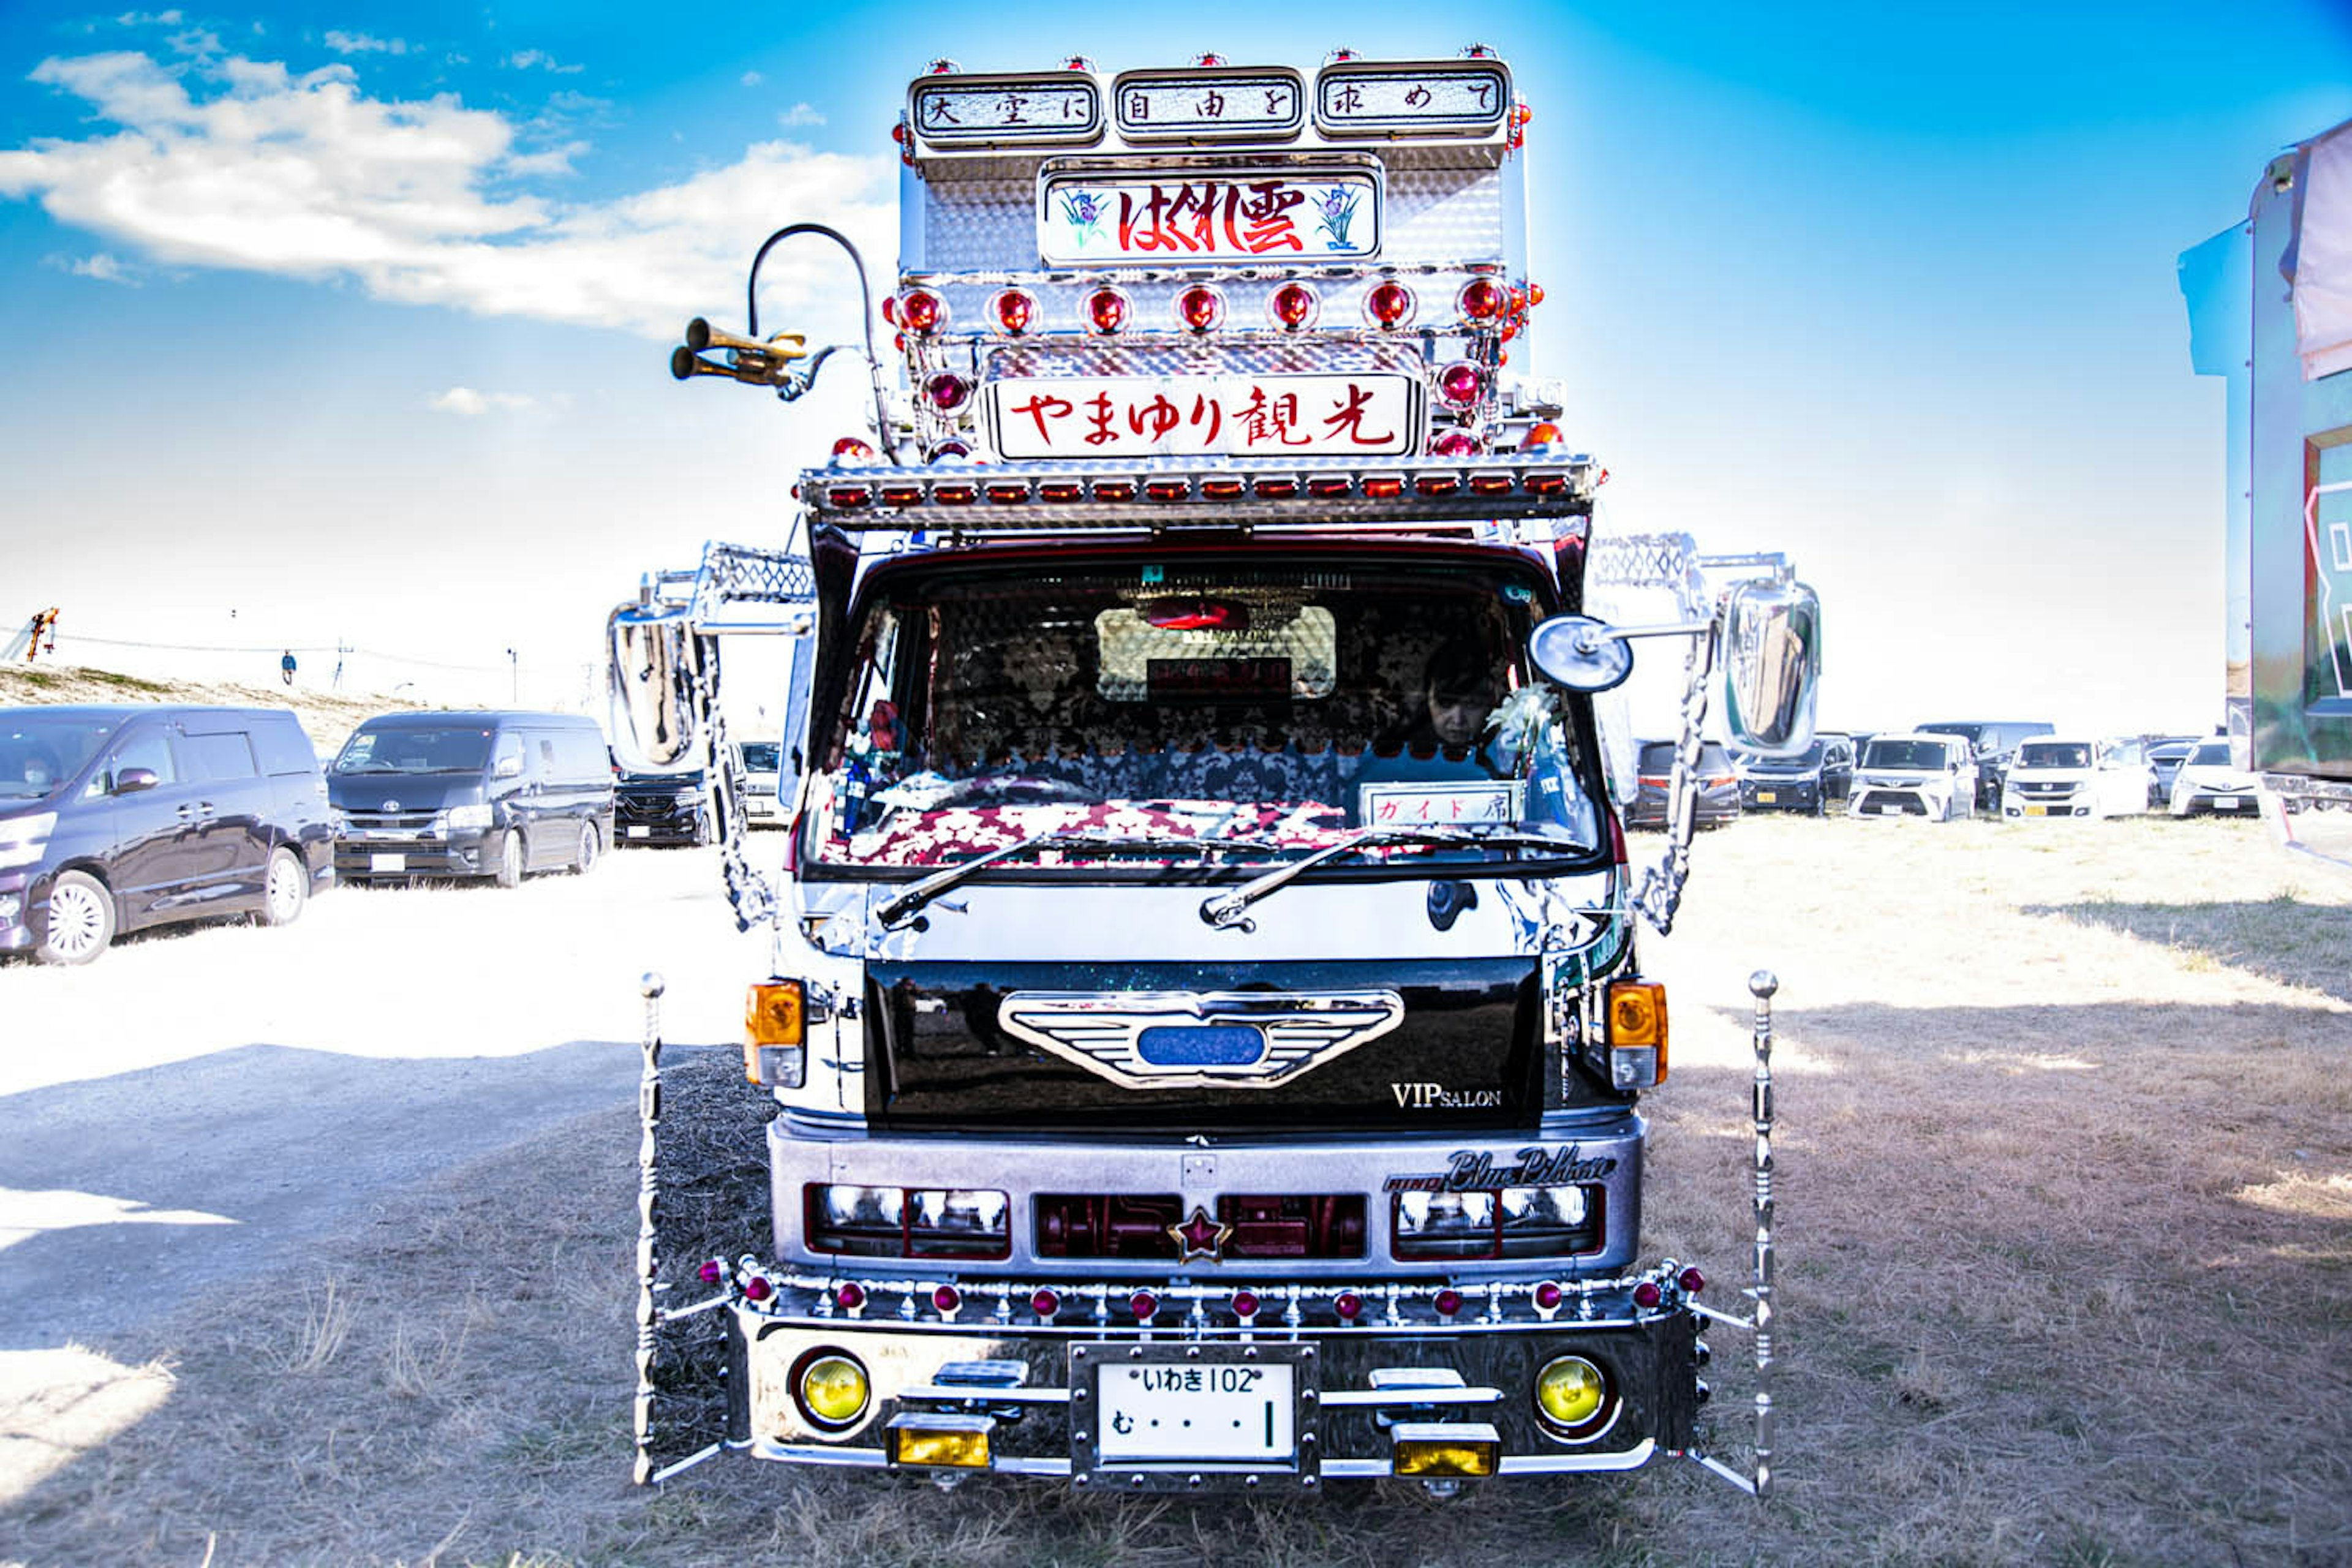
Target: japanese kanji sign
{"points": [[1374, 413], [1422, 804], [1239, 215], [1004, 111], [1192, 105], [1463, 98]]}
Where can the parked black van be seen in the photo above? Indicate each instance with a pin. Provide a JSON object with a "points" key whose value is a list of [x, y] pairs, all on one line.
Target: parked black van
{"points": [[113, 818], [470, 794]]}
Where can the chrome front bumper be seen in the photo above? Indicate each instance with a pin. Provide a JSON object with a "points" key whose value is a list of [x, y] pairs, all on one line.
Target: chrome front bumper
{"points": [[1360, 1390]]}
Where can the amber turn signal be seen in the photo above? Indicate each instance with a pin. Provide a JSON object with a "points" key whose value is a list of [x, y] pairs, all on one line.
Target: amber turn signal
{"points": [[773, 1017], [1637, 1033]]}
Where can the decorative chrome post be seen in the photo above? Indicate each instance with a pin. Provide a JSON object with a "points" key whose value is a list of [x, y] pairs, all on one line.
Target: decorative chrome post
{"points": [[1763, 983], [649, 1117]]}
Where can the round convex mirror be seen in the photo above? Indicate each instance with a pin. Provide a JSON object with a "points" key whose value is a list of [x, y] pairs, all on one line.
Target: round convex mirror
{"points": [[1579, 653]]}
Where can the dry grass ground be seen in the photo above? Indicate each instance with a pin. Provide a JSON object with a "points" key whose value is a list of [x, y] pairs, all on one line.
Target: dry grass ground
{"points": [[2066, 1231]]}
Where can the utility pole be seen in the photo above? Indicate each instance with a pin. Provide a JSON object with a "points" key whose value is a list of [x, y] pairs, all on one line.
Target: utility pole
{"points": [[514, 665]]}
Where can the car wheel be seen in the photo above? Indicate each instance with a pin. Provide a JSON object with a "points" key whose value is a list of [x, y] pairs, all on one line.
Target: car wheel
{"points": [[509, 872], [586, 859], [82, 920], [285, 889]]}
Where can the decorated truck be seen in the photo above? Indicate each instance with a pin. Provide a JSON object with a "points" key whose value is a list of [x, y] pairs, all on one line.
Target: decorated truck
{"points": [[1206, 1027], [2270, 303]]}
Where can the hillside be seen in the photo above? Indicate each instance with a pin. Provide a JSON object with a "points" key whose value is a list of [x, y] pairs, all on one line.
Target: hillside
{"points": [[327, 716]]}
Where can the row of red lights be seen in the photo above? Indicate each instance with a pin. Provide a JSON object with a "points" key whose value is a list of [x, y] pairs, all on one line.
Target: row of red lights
{"points": [[1295, 307], [1064, 492], [1246, 1305]]}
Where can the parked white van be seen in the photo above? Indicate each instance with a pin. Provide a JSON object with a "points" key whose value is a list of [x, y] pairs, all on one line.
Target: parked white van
{"points": [[2075, 775], [1934, 776]]}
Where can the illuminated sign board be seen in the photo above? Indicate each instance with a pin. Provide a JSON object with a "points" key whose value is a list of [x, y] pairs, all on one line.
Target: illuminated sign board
{"points": [[1446, 98], [1241, 216], [1006, 111], [1201, 105], [1372, 414]]}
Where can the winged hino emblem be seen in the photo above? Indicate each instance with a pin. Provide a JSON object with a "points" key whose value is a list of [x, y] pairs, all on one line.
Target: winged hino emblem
{"points": [[1189, 1039]]}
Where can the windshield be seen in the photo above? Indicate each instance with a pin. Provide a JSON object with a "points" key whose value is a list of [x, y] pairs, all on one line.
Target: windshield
{"points": [[457, 749], [1272, 708], [2053, 754], [41, 752], [2212, 755], [761, 756], [1926, 754]]}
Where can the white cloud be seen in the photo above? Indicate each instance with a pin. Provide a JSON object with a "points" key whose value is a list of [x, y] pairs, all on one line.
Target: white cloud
{"points": [[344, 43], [471, 404], [306, 176], [149, 19], [752, 78], [800, 114], [540, 59], [103, 268]]}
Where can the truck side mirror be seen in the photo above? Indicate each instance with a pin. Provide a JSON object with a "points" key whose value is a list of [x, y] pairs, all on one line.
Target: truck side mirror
{"points": [[656, 661], [1579, 653], [1771, 666]]}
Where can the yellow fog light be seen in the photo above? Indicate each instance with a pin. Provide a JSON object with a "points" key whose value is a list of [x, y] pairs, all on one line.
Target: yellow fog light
{"points": [[1573, 1398], [952, 1442], [1442, 1450], [832, 1390]]}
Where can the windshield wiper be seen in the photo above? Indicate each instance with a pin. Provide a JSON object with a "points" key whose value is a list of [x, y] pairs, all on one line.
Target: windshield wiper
{"points": [[895, 912], [1233, 909]]}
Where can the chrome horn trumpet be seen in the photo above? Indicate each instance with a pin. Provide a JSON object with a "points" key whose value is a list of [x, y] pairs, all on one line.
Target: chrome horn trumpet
{"points": [[752, 360]]}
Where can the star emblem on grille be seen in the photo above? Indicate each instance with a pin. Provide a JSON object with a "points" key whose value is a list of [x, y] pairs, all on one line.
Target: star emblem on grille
{"points": [[1200, 1238]]}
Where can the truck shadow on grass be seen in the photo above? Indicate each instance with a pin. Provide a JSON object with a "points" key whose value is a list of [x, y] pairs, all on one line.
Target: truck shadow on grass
{"points": [[2282, 939]]}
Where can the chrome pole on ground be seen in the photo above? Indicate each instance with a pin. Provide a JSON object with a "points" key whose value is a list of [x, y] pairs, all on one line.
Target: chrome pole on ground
{"points": [[1762, 985], [649, 1116]]}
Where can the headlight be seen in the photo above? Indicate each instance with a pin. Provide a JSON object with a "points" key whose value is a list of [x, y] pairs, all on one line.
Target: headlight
{"points": [[24, 838], [1495, 1222], [476, 816], [899, 1221]]}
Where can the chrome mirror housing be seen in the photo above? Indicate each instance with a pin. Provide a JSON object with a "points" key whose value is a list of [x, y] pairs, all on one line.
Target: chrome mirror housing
{"points": [[1579, 653], [1771, 666], [656, 661]]}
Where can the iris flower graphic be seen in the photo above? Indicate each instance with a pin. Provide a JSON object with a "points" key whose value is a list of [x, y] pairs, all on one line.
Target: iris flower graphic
{"points": [[1084, 212], [1336, 211]]}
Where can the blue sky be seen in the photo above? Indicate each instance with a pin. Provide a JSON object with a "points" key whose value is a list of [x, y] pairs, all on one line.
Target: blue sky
{"points": [[353, 322]]}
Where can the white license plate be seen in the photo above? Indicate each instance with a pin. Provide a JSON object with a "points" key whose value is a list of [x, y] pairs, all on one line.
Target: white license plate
{"points": [[2231, 803], [1170, 1411], [387, 862], [1889, 810], [637, 832]]}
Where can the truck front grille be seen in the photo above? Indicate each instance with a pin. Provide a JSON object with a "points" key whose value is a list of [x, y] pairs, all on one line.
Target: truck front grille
{"points": [[1141, 1225]]}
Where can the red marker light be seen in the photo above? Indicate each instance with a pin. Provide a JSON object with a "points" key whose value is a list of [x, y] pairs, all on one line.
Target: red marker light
{"points": [[1482, 299], [851, 446], [1448, 1304], [711, 1272], [1144, 1305], [942, 67], [1245, 1304], [1647, 1295], [1077, 63], [1014, 309], [1389, 305], [947, 1299], [948, 451], [1692, 1280], [1455, 443], [1543, 433], [921, 312], [1348, 1305], [1294, 307], [1107, 310], [1547, 1296], [890, 301], [1210, 59], [850, 1296], [1201, 308], [1459, 383], [757, 1287], [947, 390], [1045, 1303]]}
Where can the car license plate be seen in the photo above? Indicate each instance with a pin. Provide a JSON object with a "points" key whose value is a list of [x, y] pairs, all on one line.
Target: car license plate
{"points": [[2231, 803], [2037, 811], [1765, 797], [1172, 1412], [387, 862], [637, 832], [1889, 810]]}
